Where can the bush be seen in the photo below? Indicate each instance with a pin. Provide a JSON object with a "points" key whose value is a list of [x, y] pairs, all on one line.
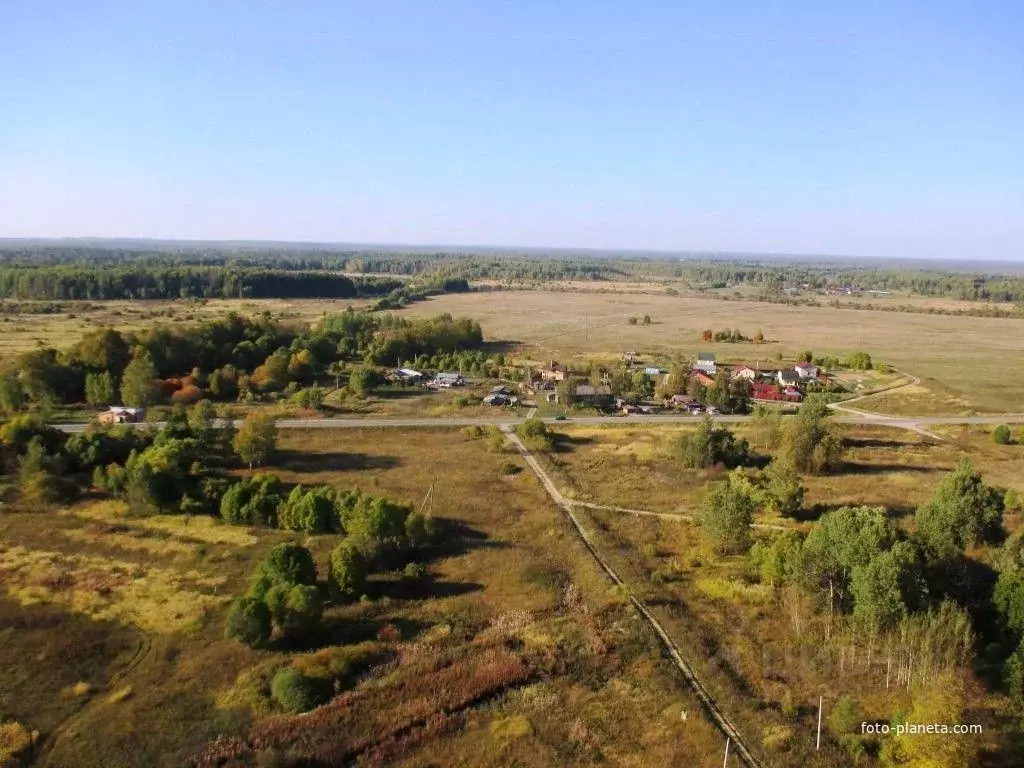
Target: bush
{"points": [[286, 563], [294, 692], [295, 609], [711, 445], [349, 568], [511, 468], [534, 434], [1001, 435], [248, 622], [414, 571], [725, 517]]}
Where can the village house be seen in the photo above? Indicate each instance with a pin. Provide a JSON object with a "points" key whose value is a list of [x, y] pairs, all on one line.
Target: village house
{"points": [[408, 376], [744, 372], [703, 378], [705, 362], [601, 395], [788, 378], [553, 372], [763, 390], [806, 371], [445, 380], [121, 415]]}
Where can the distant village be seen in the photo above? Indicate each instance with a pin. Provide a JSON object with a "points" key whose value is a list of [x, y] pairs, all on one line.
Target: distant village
{"points": [[705, 386]]}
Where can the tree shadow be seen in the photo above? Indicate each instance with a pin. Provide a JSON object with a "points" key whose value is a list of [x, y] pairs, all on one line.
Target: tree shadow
{"points": [[564, 443], [874, 442], [425, 588], [300, 461], [857, 468], [343, 630]]}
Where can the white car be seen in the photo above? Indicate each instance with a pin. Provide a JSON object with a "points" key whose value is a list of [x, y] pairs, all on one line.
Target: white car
{"points": [[712, 411]]}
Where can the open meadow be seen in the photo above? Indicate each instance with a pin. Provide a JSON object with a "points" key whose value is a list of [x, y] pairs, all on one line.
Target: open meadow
{"points": [[510, 648], [970, 363]]}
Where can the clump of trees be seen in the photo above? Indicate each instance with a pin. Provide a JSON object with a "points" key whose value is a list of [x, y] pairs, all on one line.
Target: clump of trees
{"points": [[709, 445], [963, 511], [727, 336], [809, 443]]}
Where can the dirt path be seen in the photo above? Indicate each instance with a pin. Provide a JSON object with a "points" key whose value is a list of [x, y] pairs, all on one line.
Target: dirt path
{"points": [[718, 717]]}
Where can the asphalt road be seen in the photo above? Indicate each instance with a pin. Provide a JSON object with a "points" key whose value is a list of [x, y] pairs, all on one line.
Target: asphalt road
{"points": [[899, 422]]}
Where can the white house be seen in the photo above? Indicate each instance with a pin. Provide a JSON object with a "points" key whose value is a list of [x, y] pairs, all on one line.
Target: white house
{"points": [[807, 371], [705, 362]]}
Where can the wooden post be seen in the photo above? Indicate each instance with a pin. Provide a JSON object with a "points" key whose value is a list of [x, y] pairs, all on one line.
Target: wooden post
{"points": [[817, 745], [725, 762]]}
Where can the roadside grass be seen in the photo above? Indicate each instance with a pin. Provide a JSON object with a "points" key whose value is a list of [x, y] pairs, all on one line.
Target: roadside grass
{"points": [[578, 326], [512, 648]]}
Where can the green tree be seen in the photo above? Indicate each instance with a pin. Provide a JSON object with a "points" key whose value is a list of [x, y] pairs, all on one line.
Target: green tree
{"points": [[725, 517], [310, 510], [844, 721], [137, 384], [363, 381], [809, 443], [295, 608], [844, 539], [783, 490], [99, 388], [1013, 674], [256, 438], [248, 622], [252, 501], [778, 561], [710, 445], [766, 427], [962, 511], [12, 398], [888, 588], [287, 563], [349, 568]]}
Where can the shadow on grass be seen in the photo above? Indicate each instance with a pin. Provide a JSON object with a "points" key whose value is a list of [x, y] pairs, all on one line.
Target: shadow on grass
{"points": [[420, 589], [874, 442], [300, 461], [343, 630], [856, 468]]}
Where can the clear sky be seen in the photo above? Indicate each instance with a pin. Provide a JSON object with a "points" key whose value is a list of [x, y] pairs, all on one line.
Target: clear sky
{"points": [[864, 128]]}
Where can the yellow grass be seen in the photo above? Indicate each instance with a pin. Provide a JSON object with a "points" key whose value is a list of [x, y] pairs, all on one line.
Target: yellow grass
{"points": [[154, 599], [182, 529]]}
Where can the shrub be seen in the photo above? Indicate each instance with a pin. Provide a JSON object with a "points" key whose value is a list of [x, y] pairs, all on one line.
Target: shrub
{"points": [[248, 622], [294, 692], [711, 445], [1001, 435], [415, 571], [534, 434], [725, 517], [511, 468]]}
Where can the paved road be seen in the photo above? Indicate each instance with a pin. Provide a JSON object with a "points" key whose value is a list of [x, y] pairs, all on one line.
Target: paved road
{"points": [[900, 422]]}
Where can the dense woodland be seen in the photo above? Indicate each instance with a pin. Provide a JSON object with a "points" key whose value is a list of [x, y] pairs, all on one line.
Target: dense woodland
{"points": [[167, 270]]}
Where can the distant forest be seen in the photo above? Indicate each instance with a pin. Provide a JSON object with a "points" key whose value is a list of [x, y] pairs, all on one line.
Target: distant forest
{"points": [[164, 271]]}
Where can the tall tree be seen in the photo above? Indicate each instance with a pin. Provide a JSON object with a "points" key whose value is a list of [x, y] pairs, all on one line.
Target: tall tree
{"points": [[137, 384], [256, 438], [962, 511]]}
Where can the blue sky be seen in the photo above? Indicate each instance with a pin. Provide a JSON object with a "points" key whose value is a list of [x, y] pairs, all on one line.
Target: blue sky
{"points": [[863, 128]]}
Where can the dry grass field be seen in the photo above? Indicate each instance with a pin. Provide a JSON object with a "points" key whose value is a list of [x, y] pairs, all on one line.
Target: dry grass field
{"points": [[762, 651], [972, 363], [514, 649]]}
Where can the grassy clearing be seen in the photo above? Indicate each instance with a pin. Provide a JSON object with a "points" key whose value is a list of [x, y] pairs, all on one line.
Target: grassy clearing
{"points": [[974, 359]]}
